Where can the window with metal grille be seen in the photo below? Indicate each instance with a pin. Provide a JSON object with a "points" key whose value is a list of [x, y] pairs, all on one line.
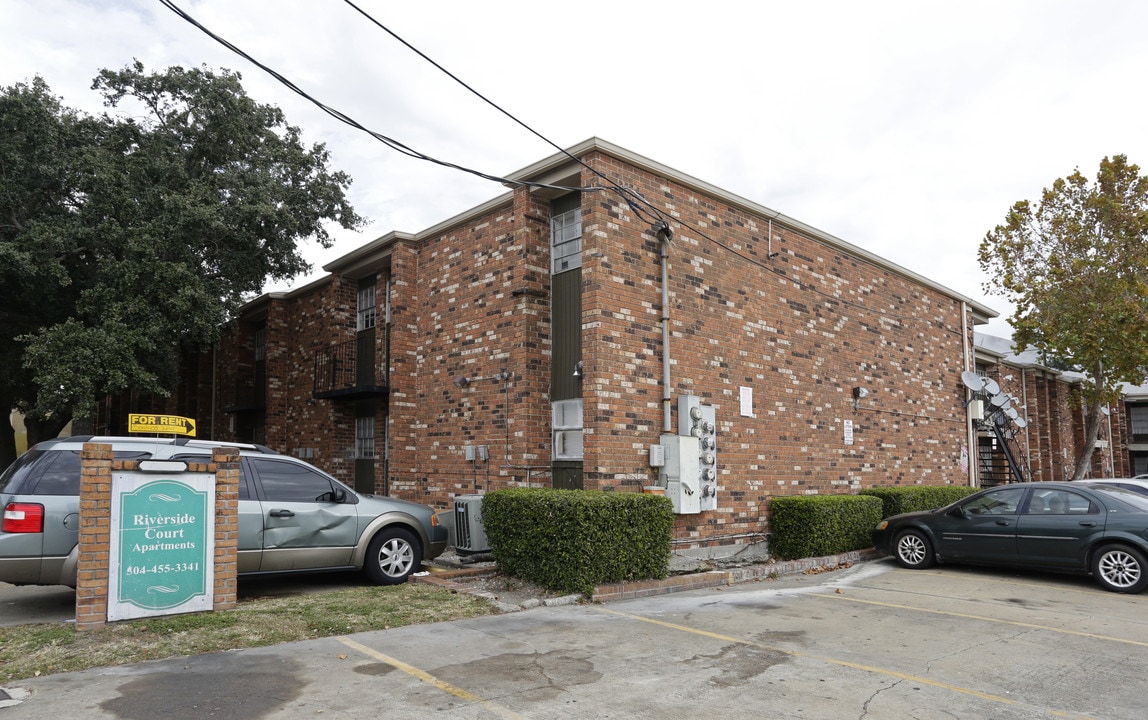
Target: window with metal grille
{"points": [[366, 307], [364, 438], [566, 421], [566, 241]]}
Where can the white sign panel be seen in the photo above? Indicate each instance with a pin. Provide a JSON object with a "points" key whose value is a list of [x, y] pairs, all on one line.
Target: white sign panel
{"points": [[747, 402], [162, 544]]}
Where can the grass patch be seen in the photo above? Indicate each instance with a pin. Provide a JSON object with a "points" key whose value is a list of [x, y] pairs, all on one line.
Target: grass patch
{"points": [[32, 650]]}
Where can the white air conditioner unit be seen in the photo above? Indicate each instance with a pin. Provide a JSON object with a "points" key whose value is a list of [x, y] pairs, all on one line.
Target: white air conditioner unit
{"points": [[470, 535]]}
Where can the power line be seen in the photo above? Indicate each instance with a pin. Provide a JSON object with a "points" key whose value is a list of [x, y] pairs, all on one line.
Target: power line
{"points": [[348, 120], [624, 192], [630, 196]]}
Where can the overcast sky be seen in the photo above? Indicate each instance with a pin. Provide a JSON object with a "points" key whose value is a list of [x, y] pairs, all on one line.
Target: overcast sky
{"points": [[906, 128]]}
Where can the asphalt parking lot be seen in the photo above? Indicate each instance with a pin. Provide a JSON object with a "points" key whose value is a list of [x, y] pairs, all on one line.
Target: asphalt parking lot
{"points": [[873, 641]]}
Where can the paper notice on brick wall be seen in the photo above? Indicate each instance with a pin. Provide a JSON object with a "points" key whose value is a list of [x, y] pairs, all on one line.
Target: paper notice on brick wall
{"points": [[747, 402], [848, 432]]}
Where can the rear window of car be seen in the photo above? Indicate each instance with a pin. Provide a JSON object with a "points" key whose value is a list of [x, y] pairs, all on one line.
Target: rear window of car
{"points": [[61, 475], [15, 475], [1134, 500], [51, 472]]}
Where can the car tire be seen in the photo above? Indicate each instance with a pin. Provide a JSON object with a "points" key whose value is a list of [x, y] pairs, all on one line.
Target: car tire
{"points": [[1120, 568], [393, 555], [912, 550]]}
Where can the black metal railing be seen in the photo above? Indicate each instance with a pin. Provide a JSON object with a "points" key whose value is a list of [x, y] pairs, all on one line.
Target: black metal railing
{"points": [[243, 395], [346, 370]]}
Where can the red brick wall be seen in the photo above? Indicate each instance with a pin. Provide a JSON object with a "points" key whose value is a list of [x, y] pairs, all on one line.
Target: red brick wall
{"points": [[479, 307], [801, 330]]}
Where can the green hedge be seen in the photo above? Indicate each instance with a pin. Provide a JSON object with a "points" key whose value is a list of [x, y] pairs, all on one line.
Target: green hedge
{"points": [[572, 540], [814, 525], [910, 498]]}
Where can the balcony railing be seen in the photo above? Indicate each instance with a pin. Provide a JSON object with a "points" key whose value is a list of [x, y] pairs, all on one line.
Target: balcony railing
{"points": [[346, 371], [244, 395]]}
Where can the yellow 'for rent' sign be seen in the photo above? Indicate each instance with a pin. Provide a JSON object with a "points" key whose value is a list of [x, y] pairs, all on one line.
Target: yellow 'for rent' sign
{"points": [[161, 424]]}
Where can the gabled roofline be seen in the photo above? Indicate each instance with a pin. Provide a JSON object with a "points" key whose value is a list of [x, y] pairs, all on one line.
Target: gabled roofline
{"points": [[554, 165], [367, 258]]}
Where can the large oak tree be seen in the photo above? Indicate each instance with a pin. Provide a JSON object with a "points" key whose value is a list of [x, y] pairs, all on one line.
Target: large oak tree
{"points": [[1076, 266], [131, 235]]}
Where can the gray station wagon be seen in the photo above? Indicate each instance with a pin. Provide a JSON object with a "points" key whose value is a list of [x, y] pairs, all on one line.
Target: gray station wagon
{"points": [[292, 516]]}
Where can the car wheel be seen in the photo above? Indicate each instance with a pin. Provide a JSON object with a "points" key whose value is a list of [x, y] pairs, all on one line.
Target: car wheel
{"points": [[392, 556], [1120, 568], [912, 550]]}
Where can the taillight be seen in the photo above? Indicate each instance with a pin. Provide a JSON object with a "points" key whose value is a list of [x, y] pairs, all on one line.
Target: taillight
{"points": [[23, 518]]}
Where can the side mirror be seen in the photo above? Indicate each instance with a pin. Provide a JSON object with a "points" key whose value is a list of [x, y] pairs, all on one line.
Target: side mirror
{"points": [[339, 496], [956, 512]]}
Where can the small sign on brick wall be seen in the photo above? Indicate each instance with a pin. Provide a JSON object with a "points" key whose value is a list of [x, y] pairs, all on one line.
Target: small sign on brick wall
{"points": [[848, 432]]}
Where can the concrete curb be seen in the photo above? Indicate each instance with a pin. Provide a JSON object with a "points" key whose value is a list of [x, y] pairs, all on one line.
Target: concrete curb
{"points": [[454, 580]]}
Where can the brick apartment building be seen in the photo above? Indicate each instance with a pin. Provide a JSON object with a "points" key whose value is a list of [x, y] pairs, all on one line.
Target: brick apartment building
{"points": [[522, 343], [1052, 431]]}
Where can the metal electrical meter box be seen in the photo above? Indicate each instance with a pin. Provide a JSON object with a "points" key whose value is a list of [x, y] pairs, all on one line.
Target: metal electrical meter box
{"points": [[681, 473], [700, 421]]}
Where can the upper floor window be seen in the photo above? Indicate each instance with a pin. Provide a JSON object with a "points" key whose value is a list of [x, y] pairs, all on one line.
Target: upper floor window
{"points": [[1138, 415], [366, 306], [566, 241], [261, 342]]}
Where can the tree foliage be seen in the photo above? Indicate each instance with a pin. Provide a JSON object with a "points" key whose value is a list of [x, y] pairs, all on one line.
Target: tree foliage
{"points": [[127, 236], [1076, 267]]}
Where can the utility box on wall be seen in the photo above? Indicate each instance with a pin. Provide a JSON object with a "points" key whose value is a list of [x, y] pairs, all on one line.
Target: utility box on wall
{"points": [[681, 473], [700, 421]]}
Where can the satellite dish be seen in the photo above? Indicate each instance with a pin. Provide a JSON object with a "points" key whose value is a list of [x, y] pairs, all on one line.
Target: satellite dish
{"points": [[972, 381], [1000, 400], [991, 386], [1021, 422], [1012, 413]]}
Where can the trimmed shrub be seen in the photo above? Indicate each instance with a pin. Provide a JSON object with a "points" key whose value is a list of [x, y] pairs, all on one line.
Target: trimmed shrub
{"points": [[572, 540], [814, 525], [910, 498]]}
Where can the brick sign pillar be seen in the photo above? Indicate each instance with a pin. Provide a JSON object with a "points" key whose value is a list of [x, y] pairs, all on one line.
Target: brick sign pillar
{"points": [[92, 576], [225, 462]]}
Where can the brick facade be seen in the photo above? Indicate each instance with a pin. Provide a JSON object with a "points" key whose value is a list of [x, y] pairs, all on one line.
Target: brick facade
{"points": [[1050, 402], [756, 300]]}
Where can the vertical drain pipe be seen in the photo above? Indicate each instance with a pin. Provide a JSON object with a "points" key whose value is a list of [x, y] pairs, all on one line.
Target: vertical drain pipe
{"points": [[664, 234]]}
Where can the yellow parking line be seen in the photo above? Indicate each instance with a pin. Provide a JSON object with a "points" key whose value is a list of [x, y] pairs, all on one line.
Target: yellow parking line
{"points": [[982, 578], [834, 661], [426, 677], [966, 616]]}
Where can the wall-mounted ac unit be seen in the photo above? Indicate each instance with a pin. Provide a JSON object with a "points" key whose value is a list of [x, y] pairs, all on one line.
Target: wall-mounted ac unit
{"points": [[470, 535]]}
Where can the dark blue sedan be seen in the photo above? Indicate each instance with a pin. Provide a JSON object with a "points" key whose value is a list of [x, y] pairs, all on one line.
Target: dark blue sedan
{"points": [[1056, 526]]}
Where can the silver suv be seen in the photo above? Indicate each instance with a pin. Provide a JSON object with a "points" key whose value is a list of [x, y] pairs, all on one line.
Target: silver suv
{"points": [[292, 516]]}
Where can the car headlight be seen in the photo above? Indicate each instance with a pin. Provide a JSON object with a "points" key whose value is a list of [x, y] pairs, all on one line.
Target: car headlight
{"points": [[883, 524]]}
